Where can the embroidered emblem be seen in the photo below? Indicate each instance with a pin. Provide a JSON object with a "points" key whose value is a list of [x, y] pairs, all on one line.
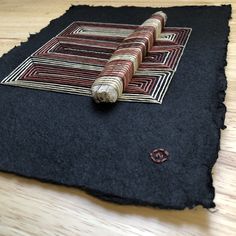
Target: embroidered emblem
{"points": [[159, 155]]}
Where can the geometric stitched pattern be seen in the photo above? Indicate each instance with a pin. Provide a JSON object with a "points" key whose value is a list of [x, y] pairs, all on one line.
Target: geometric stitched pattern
{"points": [[71, 61]]}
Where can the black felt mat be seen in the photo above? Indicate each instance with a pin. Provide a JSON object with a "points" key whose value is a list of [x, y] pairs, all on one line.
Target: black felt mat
{"points": [[69, 140]]}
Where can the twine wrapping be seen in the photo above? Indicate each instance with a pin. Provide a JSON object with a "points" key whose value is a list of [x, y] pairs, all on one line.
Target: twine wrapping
{"points": [[124, 62]]}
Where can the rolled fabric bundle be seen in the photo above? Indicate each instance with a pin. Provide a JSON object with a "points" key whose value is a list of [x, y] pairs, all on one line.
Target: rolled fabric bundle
{"points": [[124, 62]]}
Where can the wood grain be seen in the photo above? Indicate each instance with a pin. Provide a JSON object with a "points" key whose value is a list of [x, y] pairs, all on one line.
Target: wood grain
{"points": [[30, 208]]}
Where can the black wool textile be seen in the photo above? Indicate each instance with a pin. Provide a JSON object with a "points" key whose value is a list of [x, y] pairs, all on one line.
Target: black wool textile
{"points": [[105, 149]]}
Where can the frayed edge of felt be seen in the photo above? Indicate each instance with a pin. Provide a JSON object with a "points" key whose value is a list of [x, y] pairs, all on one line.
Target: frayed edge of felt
{"points": [[112, 198], [222, 82], [150, 7], [221, 108]]}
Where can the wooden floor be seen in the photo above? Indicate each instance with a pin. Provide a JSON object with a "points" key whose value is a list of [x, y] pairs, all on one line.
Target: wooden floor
{"points": [[29, 208]]}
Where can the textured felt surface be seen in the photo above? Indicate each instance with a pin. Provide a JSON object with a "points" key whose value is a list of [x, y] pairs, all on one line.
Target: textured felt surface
{"points": [[104, 149]]}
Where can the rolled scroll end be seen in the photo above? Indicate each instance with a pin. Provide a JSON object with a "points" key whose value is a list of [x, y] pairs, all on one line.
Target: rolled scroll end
{"points": [[107, 89], [158, 21], [104, 93], [163, 14]]}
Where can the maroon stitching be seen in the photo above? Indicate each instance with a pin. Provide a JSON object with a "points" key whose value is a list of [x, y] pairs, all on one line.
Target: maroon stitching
{"points": [[159, 155]]}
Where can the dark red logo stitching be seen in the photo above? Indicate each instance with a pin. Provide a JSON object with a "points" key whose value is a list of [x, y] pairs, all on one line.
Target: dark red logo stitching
{"points": [[159, 155]]}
